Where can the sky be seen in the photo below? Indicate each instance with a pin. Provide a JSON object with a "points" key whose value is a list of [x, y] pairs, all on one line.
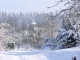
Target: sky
{"points": [[29, 5]]}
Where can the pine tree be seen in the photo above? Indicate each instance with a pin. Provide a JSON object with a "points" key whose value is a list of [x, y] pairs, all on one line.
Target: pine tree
{"points": [[68, 38]]}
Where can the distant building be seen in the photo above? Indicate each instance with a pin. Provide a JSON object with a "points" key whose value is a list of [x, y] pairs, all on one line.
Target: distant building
{"points": [[33, 22], [34, 30]]}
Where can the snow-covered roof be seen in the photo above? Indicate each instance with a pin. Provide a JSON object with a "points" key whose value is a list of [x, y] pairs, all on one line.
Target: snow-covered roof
{"points": [[33, 22]]}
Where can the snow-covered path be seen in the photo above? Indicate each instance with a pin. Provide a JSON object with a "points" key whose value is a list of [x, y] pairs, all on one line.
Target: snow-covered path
{"points": [[63, 54]]}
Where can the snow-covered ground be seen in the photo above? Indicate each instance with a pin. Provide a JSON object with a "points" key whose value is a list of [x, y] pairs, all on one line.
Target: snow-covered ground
{"points": [[23, 54]]}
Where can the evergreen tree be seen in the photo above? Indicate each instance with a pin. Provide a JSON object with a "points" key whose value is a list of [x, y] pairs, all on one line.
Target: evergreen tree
{"points": [[68, 38]]}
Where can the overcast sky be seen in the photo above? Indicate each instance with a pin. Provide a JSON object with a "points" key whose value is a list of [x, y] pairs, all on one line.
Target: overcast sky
{"points": [[28, 5]]}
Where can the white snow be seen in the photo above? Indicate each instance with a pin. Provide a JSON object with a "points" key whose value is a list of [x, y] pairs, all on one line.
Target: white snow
{"points": [[23, 54]]}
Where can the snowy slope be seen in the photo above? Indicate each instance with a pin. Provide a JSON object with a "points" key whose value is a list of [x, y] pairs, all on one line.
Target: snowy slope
{"points": [[22, 54]]}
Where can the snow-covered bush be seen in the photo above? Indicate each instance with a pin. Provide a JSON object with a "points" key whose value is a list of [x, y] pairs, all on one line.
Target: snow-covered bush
{"points": [[68, 38], [50, 42]]}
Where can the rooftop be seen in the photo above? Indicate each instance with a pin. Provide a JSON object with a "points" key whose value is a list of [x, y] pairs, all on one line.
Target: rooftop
{"points": [[33, 22]]}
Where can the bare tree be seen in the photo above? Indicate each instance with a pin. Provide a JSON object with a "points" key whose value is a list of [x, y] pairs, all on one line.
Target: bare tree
{"points": [[49, 26]]}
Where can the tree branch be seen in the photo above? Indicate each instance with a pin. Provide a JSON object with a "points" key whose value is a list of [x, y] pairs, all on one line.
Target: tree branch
{"points": [[56, 4]]}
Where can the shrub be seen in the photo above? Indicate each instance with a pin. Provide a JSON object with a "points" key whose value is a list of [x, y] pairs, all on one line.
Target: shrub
{"points": [[10, 45]]}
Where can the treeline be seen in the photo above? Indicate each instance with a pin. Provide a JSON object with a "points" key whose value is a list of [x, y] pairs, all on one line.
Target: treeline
{"points": [[18, 19], [21, 32], [21, 19]]}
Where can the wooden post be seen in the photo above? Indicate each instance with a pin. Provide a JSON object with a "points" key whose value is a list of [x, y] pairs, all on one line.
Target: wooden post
{"points": [[74, 58]]}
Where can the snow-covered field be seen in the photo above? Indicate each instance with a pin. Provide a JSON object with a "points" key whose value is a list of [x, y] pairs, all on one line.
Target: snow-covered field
{"points": [[23, 54]]}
